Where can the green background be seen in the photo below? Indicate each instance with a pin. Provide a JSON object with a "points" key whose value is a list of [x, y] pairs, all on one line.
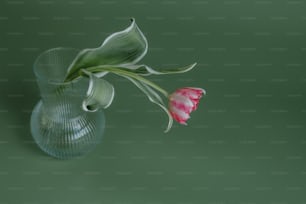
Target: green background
{"points": [[245, 144]]}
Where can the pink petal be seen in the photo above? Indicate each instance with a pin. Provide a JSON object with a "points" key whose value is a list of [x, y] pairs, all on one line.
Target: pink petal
{"points": [[183, 101], [179, 116], [182, 106], [193, 93]]}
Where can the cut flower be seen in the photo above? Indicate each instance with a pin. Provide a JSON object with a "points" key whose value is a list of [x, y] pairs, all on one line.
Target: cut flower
{"points": [[118, 55], [183, 101]]}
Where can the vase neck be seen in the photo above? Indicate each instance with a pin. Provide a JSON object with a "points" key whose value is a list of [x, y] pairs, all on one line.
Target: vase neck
{"points": [[59, 99]]}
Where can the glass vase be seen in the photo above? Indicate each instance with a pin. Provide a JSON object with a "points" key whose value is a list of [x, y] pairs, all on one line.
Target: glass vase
{"points": [[59, 125]]}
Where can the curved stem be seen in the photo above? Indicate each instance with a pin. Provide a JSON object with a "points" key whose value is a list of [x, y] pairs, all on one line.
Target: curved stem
{"points": [[119, 72]]}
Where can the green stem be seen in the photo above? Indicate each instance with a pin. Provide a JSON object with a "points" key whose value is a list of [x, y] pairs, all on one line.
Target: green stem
{"points": [[121, 72]]}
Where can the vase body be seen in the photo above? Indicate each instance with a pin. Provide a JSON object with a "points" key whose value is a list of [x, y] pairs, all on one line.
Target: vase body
{"points": [[59, 125]]}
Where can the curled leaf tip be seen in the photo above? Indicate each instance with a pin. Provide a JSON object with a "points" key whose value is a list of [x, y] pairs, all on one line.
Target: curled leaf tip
{"points": [[169, 125], [100, 93]]}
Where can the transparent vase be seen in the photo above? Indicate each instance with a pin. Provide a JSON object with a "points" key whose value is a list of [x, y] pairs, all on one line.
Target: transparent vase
{"points": [[59, 125]]}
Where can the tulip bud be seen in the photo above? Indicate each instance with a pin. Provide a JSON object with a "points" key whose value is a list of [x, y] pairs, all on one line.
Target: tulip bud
{"points": [[183, 101]]}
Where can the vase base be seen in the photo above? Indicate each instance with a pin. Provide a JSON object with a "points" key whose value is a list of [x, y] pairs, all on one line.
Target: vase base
{"points": [[67, 138]]}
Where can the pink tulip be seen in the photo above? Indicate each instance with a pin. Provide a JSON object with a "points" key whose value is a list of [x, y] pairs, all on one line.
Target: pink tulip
{"points": [[183, 101]]}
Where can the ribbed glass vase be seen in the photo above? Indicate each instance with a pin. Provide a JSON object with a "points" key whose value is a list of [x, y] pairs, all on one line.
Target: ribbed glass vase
{"points": [[59, 125]]}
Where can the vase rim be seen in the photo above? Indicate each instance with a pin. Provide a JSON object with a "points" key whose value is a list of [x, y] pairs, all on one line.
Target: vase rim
{"points": [[41, 77]]}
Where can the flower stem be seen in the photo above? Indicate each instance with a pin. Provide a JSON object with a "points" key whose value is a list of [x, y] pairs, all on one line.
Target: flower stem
{"points": [[121, 72]]}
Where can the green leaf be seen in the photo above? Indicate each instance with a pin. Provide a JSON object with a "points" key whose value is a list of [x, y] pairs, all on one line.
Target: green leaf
{"points": [[143, 70], [125, 47], [153, 97], [146, 70], [100, 93]]}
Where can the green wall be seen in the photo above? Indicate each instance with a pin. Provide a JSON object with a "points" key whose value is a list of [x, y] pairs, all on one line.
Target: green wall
{"points": [[245, 144]]}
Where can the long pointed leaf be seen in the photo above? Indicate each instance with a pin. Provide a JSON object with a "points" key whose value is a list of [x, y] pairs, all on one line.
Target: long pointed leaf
{"points": [[124, 47], [142, 69], [146, 70]]}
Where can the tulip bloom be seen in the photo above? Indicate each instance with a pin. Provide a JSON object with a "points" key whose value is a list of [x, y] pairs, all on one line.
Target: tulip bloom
{"points": [[183, 101]]}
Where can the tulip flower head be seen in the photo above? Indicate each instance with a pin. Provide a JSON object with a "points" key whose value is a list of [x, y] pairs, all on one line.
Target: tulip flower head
{"points": [[183, 101]]}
